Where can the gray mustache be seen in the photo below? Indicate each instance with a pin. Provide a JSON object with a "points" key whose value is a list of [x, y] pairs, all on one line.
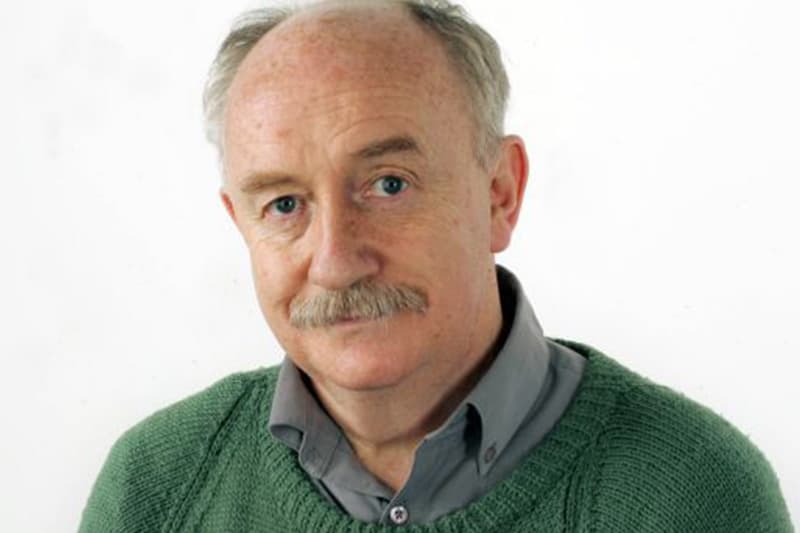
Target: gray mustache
{"points": [[363, 300]]}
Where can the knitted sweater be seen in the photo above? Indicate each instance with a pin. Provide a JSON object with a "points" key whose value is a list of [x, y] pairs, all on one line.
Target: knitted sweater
{"points": [[627, 455]]}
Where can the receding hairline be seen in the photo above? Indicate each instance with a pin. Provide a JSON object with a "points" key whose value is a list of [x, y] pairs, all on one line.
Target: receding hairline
{"points": [[330, 13], [471, 53], [288, 50]]}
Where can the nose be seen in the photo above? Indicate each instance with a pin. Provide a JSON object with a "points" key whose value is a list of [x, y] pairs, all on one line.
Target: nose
{"points": [[341, 251]]}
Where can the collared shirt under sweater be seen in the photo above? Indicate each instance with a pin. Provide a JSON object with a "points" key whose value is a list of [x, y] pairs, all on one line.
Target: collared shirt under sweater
{"points": [[511, 408]]}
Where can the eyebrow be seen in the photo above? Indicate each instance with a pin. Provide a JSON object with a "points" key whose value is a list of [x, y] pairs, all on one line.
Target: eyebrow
{"points": [[400, 143], [259, 181]]}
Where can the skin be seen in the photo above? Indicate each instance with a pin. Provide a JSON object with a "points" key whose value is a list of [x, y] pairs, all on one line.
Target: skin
{"points": [[306, 101]]}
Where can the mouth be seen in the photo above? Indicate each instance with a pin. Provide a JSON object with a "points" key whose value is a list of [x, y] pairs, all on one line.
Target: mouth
{"points": [[350, 320]]}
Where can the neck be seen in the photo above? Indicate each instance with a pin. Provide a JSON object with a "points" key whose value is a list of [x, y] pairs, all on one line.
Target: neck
{"points": [[385, 426]]}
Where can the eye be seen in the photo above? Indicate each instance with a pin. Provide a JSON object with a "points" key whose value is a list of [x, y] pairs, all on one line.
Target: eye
{"points": [[389, 185], [285, 205]]}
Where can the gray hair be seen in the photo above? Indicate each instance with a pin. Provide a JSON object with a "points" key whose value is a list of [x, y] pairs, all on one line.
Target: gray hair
{"points": [[473, 52], [365, 299]]}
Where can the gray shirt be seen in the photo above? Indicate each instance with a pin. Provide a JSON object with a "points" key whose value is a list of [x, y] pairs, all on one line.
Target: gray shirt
{"points": [[512, 407]]}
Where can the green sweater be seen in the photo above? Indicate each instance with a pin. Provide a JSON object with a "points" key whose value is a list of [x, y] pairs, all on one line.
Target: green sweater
{"points": [[628, 455]]}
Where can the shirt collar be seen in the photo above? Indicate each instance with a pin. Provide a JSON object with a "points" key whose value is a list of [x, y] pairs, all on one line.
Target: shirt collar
{"points": [[507, 392], [300, 422], [502, 398]]}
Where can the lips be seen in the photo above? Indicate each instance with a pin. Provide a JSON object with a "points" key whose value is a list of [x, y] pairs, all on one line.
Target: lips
{"points": [[349, 320]]}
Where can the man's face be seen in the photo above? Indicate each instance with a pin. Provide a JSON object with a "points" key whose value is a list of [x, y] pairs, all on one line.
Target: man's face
{"points": [[349, 157]]}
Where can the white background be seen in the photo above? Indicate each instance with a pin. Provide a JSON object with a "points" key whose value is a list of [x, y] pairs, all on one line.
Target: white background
{"points": [[661, 222]]}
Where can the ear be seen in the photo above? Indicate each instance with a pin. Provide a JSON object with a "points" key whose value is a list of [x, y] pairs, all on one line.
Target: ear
{"points": [[228, 203], [509, 178]]}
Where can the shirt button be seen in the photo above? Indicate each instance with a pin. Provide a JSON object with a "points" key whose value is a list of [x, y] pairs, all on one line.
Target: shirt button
{"points": [[489, 454], [398, 515]]}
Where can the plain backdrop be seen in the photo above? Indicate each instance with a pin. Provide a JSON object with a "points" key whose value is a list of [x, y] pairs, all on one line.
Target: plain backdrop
{"points": [[660, 225]]}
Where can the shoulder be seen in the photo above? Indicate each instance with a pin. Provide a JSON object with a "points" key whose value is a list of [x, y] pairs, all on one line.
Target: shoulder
{"points": [[666, 463], [151, 465], [201, 412]]}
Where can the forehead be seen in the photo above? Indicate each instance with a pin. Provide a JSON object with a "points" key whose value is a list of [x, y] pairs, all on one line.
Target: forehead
{"points": [[340, 64], [332, 44]]}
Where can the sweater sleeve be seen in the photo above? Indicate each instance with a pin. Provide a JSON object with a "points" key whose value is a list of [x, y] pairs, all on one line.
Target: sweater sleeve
{"points": [[672, 465], [153, 464], [749, 496]]}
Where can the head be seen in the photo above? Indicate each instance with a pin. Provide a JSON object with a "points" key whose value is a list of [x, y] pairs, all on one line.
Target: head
{"points": [[370, 184]]}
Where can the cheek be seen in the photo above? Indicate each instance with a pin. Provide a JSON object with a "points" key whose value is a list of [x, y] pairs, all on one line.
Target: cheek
{"points": [[275, 278], [462, 229]]}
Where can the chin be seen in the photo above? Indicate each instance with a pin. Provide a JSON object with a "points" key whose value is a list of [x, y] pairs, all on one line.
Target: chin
{"points": [[362, 366]]}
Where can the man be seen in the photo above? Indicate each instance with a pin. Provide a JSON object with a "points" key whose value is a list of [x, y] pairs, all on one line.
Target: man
{"points": [[366, 168]]}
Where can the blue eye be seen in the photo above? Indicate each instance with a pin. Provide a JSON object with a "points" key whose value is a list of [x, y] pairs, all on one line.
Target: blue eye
{"points": [[390, 185], [285, 205]]}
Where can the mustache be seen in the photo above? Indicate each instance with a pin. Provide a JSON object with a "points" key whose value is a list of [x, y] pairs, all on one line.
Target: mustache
{"points": [[365, 299]]}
